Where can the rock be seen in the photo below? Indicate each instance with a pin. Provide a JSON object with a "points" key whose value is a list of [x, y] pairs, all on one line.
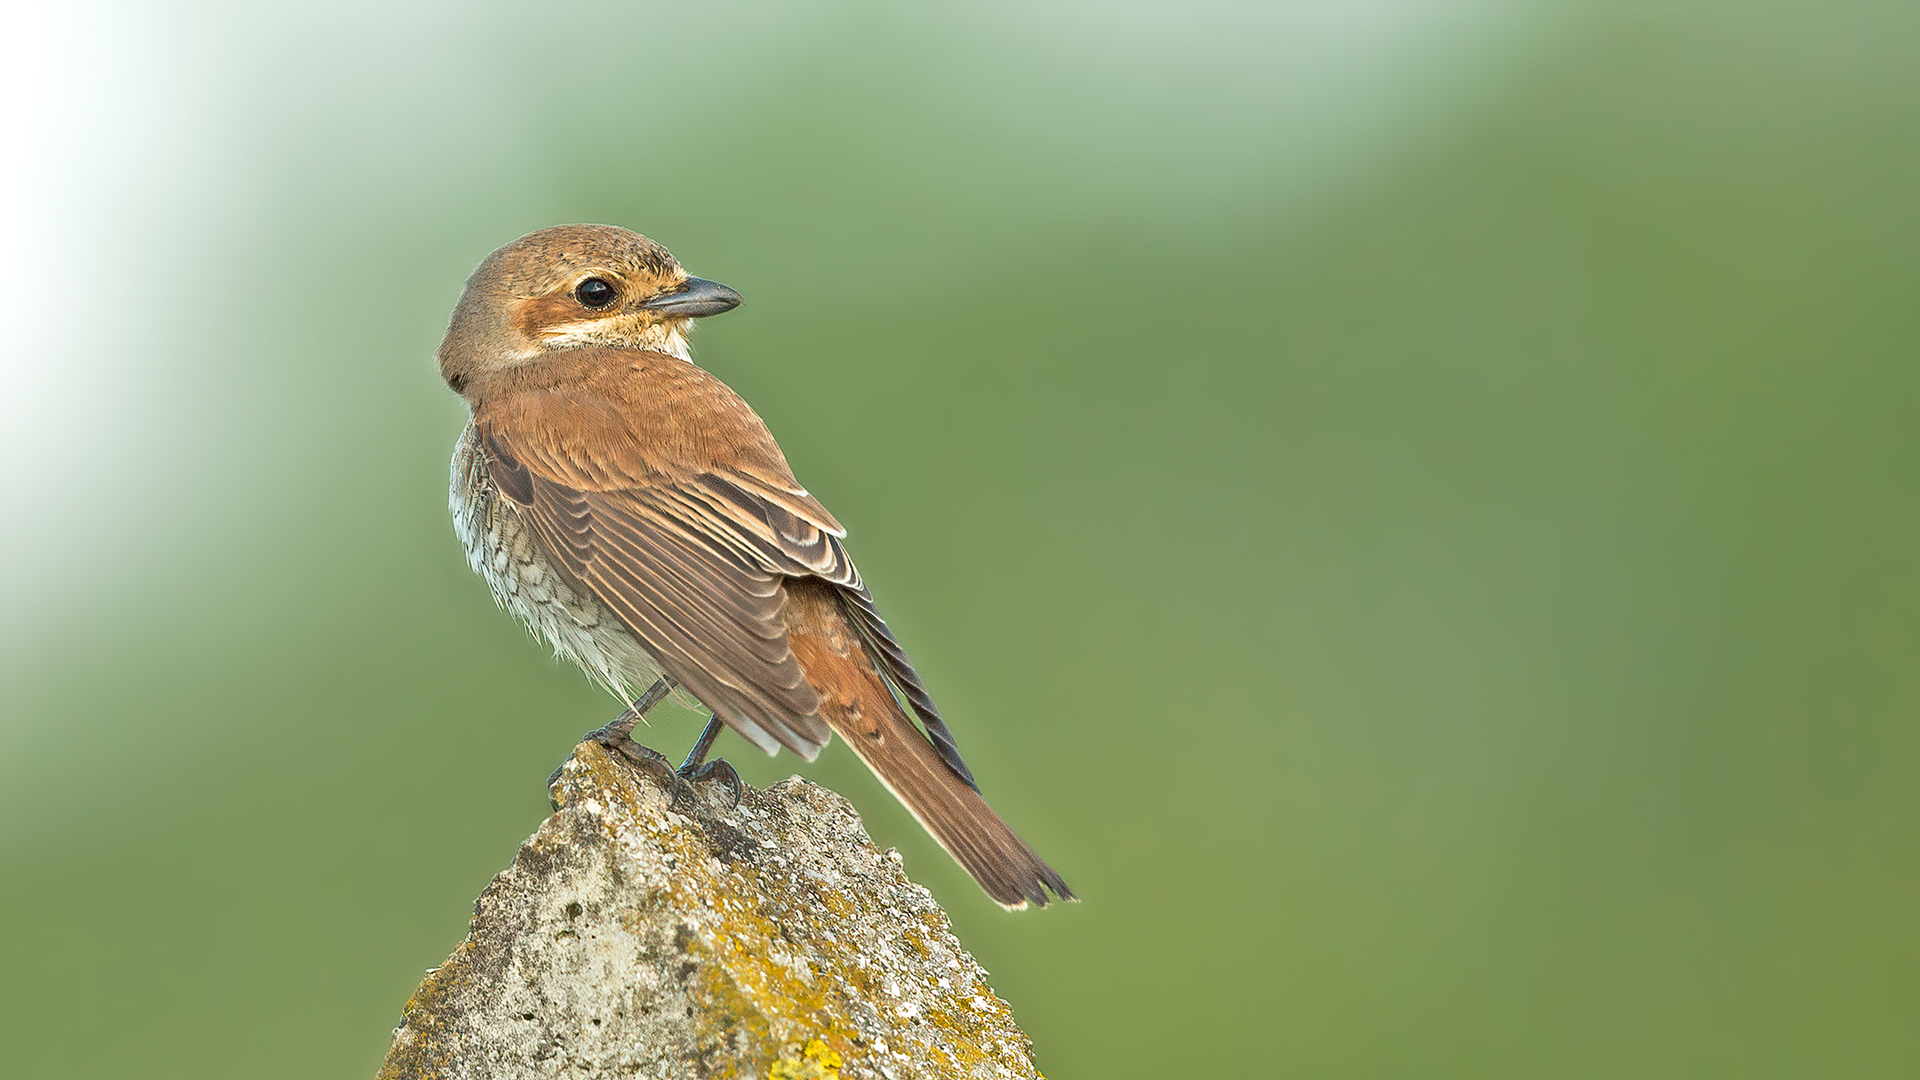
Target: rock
{"points": [[632, 938]]}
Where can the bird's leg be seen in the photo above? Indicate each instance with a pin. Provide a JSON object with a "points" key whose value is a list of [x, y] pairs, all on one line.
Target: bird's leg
{"points": [[701, 745], [698, 768], [620, 728], [617, 735]]}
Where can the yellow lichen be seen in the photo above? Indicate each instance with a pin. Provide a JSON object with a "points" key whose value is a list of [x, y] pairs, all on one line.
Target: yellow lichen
{"points": [[816, 1062], [739, 945]]}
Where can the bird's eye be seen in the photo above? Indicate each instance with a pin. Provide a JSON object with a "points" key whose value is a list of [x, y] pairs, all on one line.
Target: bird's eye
{"points": [[595, 292]]}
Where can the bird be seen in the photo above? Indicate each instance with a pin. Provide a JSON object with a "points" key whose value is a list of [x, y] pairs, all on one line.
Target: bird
{"points": [[636, 514]]}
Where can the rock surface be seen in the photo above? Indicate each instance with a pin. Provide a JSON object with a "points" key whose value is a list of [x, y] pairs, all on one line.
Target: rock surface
{"points": [[635, 938]]}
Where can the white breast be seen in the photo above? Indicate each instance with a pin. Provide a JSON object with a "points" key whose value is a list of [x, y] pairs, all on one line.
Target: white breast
{"points": [[501, 548]]}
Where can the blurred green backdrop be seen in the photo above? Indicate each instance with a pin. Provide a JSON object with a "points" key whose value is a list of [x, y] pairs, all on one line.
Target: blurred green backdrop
{"points": [[1410, 505]]}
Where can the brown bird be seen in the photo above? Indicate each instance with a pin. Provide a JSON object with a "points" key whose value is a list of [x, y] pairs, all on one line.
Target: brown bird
{"points": [[636, 513]]}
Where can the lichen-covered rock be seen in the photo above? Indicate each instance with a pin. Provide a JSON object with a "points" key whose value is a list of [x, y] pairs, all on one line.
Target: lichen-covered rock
{"points": [[771, 940]]}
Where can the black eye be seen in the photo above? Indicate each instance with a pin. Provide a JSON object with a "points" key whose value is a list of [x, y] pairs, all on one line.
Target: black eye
{"points": [[595, 292]]}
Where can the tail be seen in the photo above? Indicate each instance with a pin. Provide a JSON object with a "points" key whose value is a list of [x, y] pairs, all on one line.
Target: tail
{"points": [[856, 703], [954, 813]]}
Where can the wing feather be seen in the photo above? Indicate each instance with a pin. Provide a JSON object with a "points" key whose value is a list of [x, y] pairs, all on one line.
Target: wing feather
{"points": [[690, 541], [893, 663], [696, 598]]}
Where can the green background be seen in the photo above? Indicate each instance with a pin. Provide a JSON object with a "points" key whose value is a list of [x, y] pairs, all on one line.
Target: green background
{"points": [[1411, 506]]}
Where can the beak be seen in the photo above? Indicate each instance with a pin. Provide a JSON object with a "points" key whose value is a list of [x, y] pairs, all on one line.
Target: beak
{"points": [[697, 299]]}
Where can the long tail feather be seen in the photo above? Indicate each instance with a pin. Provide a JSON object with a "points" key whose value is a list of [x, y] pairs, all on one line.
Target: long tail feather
{"points": [[855, 702]]}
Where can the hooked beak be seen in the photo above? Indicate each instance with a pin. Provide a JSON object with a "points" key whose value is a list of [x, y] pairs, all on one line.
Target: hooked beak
{"points": [[697, 299]]}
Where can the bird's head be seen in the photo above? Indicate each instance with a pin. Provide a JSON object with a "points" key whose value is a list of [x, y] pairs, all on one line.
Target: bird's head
{"points": [[574, 285]]}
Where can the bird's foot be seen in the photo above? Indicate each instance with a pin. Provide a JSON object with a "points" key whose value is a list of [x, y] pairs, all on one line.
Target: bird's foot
{"points": [[697, 769], [617, 736], [680, 793], [679, 784], [618, 732], [644, 758], [716, 771]]}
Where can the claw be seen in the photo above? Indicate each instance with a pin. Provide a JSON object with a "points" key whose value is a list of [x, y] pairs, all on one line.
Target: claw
{"points": [[718, 770], [680, 793], [618, 737], [617, 733]]}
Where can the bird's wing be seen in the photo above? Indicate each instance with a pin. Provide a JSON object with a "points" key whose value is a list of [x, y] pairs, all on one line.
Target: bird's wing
{"points": [[662, 494]]}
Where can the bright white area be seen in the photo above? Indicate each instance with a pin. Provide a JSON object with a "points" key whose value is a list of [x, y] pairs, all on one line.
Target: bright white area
{"points": [[148, 146]]}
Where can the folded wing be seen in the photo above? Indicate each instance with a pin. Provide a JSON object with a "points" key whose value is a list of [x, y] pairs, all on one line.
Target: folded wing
{"points": [[691, 545]]}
